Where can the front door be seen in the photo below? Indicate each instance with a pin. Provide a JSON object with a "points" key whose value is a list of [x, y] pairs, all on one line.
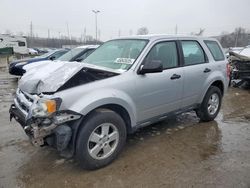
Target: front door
{"points": [[160, 93]]}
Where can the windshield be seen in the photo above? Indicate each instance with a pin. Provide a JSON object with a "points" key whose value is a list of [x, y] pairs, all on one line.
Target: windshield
{"points": [[117, 54], [70, 54], [46, 54]]}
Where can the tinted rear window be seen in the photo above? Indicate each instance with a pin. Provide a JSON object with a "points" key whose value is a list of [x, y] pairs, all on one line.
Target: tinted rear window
{"points": [[193, 53], [215, 50]]}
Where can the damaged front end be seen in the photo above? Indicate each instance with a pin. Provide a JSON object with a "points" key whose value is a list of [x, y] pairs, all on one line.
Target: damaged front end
{"points": [[42, 115], [41, 119], [240, 69]]}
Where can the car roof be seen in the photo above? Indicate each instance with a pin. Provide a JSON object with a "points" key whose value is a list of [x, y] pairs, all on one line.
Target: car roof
{"points": [[88, 46], [164, 36]]}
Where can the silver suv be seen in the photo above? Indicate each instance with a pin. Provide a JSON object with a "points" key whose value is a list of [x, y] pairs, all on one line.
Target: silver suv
{"points": [[87, 109]]}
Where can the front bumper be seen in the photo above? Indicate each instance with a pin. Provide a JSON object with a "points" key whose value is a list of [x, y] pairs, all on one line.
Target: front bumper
{"points": [[55, 130], [18, 71], [242, 75], [17, 115]]}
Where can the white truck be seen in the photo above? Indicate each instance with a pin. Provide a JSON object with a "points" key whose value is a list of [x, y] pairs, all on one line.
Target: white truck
{"points": [[18, 43]]}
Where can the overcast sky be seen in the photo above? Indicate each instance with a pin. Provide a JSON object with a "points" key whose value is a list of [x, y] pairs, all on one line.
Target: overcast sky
{"points": [[159, 16]]}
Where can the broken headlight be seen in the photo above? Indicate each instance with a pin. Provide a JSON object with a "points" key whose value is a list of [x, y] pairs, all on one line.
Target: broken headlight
{"points": [[45, 107]]}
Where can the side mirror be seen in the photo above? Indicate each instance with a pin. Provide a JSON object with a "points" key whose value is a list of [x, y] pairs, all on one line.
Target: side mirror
{"points": [[153, 66], [52, 58]]}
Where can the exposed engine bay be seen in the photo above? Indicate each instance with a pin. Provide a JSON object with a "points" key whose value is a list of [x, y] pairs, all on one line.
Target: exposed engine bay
{"points": [[59, 76], [86, 75]]}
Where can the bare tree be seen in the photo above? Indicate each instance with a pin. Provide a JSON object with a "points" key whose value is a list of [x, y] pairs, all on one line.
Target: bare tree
{"points": [[200, 33], [142, 31], [240, 37], [8, 32]]}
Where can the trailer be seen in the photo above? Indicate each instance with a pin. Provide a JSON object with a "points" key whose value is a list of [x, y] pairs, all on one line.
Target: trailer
{"points": [[18, 43]]}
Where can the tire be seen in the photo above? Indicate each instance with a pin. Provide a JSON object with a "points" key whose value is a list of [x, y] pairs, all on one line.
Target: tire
{"points": [[207, 111], [95, 150]]}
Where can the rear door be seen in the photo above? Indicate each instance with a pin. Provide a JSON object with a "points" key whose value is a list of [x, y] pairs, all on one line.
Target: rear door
{"points": [[160, 93], [196, 70]]}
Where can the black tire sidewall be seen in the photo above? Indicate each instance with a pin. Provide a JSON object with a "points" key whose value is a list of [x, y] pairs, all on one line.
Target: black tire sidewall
{"points": [[94, 120], [203, 111]]}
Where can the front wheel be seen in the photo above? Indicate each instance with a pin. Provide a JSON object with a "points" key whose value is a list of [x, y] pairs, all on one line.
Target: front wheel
{"points": [[210, 105], [101, 139]]}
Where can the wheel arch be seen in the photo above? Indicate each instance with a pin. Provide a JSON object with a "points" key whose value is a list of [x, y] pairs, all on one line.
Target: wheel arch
{"points": [[119, 110], [114, 107], [217, 83]]}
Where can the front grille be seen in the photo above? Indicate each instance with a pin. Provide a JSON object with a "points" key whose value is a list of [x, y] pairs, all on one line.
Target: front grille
{"points": [[21, 105], [23, 100], [244, 66]]}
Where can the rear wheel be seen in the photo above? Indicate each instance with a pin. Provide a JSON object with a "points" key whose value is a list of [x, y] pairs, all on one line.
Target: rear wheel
{"points": [[101, 139], [210, 105]]}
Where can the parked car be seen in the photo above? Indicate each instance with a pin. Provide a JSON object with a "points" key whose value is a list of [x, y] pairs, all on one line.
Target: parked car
{"points": [[16, 67], [40, 50], [76, 54], [240, 68], [245, 52], [32, 51], [233, 49], [87, 109]]}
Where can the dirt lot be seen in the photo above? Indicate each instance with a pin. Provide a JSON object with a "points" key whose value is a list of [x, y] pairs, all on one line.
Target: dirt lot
{"points": [[180, 152]]}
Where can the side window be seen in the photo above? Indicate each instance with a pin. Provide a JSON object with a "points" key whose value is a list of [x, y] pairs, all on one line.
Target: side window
{"points": [[215, 50], [166, 52], [86, 54], [20, 43], [193, 53], [58, 54]]}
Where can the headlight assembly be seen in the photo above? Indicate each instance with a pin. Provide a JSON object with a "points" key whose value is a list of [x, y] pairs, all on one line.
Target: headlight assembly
{"points": [[45, 107]]}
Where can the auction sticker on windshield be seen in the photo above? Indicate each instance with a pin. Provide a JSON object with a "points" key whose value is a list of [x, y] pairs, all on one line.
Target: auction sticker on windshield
{"points": [[127, 61]]}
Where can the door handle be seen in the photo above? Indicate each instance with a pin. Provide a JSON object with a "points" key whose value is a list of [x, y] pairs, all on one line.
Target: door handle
{"points": [[207, 70], [175, 76]]}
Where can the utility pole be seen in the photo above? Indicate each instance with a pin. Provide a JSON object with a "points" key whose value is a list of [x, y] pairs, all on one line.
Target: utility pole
{"points": [[48, 33], [99, 34], [176, 29], [59, 39], [31, 35], [84, 35], [236, 40], [96, 12], [31, 29], [69, 34], [130, 32]]}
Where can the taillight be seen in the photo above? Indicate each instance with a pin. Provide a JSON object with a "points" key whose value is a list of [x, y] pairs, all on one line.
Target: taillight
{"points": [[228, 70]]}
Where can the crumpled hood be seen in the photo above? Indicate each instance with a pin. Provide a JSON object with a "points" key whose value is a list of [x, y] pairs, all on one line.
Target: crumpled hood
{"points": [[48, 77]]}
